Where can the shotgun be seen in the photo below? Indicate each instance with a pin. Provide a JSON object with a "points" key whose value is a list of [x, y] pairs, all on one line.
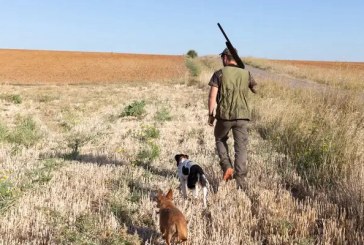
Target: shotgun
{"points": [[232, 49]]}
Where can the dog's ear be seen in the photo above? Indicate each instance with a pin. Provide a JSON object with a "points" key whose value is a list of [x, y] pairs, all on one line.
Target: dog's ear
{"points": [[185, 156], [170, 195], [177, 157]]}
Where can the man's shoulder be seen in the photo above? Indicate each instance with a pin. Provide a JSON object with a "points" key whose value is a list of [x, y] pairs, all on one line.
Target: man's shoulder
{"points": [[216, 78], [218, 73]]}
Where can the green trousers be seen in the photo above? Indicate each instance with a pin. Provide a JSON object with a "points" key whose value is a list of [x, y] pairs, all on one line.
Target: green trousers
{"points": [[239, 129]]}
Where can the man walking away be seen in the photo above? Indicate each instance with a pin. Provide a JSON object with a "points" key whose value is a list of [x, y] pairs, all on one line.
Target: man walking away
{"points": [[229, 89]]}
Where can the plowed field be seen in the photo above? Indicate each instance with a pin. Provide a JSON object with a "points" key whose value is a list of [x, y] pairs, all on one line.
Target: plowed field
{"points": [[62, 67], [323, 64]]}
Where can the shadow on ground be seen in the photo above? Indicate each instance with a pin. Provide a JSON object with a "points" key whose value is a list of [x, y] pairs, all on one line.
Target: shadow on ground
{"points": [[157, 171], [100, 160]]}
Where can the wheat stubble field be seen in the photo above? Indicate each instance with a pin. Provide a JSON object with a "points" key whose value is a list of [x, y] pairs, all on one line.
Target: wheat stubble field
{"points": [[86, 137]]}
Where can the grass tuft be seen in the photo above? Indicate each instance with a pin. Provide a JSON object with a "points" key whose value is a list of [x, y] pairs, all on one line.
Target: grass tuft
{"points": [[148, 153], [135, 109], [163, 115], [25, 133]]}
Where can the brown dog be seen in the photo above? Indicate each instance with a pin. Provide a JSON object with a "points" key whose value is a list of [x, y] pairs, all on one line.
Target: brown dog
{"points": [[172, 222]]}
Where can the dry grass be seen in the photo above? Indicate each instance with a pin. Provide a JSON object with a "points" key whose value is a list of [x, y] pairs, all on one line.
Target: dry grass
{"points": [[344, 75], [99, 193], [321, 134]]}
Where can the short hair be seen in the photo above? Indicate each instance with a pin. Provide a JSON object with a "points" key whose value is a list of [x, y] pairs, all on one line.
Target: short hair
{"points": [[229, 57]]}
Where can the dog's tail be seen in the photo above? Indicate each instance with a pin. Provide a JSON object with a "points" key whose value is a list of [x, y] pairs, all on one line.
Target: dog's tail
{"points": [[202, 178]]}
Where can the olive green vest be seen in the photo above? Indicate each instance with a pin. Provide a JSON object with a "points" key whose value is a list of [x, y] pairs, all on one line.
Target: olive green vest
{"points": [[234, 89]]}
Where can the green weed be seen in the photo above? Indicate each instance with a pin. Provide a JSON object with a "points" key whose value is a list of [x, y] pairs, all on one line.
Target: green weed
{"points": [[193, 66], [148, 153], [135, 109], [13, 98], [163, 115], [43, 174], [25, 133], [149, 132]]}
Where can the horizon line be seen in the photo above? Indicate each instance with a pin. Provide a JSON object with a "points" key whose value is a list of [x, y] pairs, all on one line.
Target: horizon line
{"points": [[158, 54]]}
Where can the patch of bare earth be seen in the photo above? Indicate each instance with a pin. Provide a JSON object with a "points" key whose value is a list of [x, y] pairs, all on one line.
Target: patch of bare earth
{"points": [[61, 67]]}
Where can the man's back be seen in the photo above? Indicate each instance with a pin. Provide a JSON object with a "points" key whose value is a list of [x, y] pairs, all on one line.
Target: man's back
{"points": [[233, 103]]}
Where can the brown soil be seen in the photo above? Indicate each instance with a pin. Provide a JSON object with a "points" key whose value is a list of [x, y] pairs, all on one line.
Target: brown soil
{"points": [[63, 67]]}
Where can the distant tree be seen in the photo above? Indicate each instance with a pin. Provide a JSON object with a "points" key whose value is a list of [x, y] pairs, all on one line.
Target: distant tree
{"points": [[192, 53]]}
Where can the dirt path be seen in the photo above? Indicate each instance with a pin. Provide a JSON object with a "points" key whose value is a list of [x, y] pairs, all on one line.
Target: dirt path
{"points": [[291, 81], [294, 82]]}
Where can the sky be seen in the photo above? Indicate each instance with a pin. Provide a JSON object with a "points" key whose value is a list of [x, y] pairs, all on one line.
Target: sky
{"points": [[275, 29]]}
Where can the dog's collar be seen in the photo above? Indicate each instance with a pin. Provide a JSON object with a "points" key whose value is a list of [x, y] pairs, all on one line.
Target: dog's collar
{"points": [[185, 162]]}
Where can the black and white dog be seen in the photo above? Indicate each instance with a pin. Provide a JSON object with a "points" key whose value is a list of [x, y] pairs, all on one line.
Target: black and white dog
{"points": [[191, 176]]}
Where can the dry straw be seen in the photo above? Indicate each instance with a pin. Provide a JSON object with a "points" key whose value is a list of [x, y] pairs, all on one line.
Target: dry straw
{"points": [[101, 195]]}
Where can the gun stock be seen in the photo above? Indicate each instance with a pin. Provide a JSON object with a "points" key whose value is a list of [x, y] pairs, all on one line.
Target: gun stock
{"points": [[232, 49]]}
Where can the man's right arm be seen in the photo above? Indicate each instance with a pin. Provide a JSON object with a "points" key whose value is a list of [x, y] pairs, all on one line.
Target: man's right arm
{"points": [[212, 99], [212, 104]]}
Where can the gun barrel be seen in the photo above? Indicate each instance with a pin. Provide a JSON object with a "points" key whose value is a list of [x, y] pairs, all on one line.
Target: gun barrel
{"points": [[232, 49], [222, 30]]}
